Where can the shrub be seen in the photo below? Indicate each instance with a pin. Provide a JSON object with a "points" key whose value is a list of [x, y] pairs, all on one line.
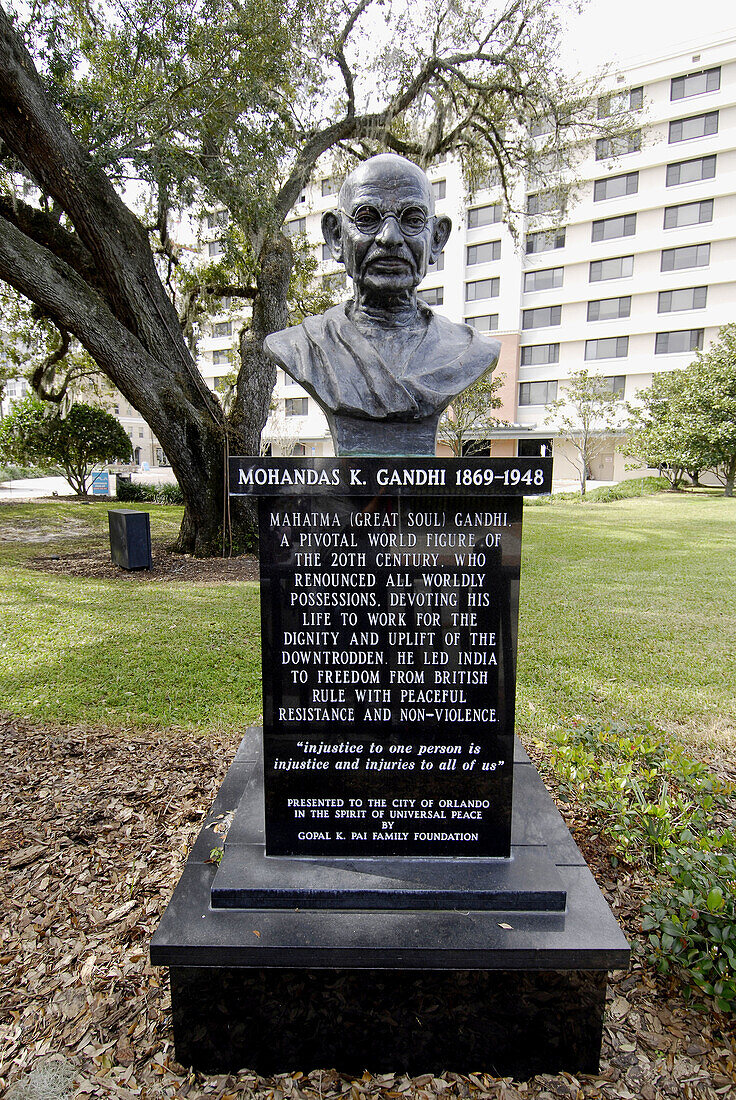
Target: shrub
{"points": [[660, 808], [691, 919], [13, 473], [633, 487], [149, 494]]}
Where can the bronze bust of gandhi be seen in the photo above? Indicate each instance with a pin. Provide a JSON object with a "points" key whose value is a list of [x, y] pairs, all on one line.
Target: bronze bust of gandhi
{"points": [[383, 367]]}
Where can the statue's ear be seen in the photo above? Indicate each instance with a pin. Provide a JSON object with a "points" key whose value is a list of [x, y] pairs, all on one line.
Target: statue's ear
{"points": [[440, 235], [331, 231]]}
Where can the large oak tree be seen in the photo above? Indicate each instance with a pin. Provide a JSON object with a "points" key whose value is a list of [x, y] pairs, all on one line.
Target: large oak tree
{"points": [[115, 116]]}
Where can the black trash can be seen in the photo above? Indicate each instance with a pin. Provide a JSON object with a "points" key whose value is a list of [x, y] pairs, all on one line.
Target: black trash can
{"points": [[130, 538]]}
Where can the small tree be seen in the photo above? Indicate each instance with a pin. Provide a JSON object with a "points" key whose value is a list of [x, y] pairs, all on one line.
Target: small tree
{"points": [[85, 436], [465, 424], [710, 407], [658, 429], [586, 416], [688, 417]]}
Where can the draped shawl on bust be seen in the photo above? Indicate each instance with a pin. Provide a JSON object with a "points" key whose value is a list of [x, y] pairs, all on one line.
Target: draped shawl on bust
{"points": [[346, 373]]}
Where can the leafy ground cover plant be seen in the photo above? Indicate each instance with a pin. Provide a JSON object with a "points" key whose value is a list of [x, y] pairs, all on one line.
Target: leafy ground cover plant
{"points": [[667, 813], [149, 494]]}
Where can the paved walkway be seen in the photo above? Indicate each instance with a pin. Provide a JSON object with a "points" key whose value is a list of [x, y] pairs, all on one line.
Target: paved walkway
{"points": [[28, 488]]}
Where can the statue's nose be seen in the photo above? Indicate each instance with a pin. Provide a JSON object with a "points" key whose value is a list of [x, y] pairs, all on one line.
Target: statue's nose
{"points": [[390, 231]]}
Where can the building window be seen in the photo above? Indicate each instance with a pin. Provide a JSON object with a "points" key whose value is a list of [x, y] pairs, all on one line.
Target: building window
{"points": [[222, 328], [619, 146], [689, 213], [487, 322], [539, 355], [221, 358], [611, 347], [295, 227], [630, 100], [614, 187], [483, 253], [217, 218], [708, 80], [609, 309], [433, 297], [615, 384], [619, 267], [546, 202], [222, 385], [296, 406], [690, 171], [484, 215], [546, 279], [482, 288], [541, 317], [439, 264], [673, 301], [329, 187], [689, 255], [226, 303], [439, 190], [606, 229], [688, 339], [215, 248], [537, 393], [326, 253], [685, 129], [545, 241]]}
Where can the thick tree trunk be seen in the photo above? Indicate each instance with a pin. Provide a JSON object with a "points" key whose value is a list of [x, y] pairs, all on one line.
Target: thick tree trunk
{"points": [[730, 477], [100, 283], [257, 375]]}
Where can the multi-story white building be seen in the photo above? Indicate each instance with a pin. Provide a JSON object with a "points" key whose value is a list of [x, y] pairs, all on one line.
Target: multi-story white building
{"points": [[638, 272]]}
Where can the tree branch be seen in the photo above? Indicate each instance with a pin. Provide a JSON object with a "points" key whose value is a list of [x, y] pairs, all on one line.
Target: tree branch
{"points": [[46, 231], [73, 306], [39, 136], [340, 54], [43, 375]]}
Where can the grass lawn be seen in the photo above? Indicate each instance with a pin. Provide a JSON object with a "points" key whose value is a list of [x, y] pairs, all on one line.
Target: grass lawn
{"points": [[628, 611], [120, 653]]}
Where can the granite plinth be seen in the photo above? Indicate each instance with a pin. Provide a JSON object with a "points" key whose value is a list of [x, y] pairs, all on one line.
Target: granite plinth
{"points": [[513, 992], [249, 879], [505, 1023]]}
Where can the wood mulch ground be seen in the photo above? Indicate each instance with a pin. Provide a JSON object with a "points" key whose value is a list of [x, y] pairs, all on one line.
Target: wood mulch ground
{"points": [[97, 827], [167, 566]]}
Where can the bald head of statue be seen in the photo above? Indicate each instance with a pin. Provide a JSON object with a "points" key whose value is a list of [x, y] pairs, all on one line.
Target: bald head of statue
{"points": [[383, 366], [386, 232]]}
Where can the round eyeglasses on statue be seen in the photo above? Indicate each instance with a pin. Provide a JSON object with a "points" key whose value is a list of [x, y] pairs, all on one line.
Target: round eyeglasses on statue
{"points": [[369, 220]]}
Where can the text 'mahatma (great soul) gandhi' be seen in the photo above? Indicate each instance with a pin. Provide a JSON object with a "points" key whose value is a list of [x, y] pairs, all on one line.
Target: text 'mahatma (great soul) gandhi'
{"points": [[383, 366]]}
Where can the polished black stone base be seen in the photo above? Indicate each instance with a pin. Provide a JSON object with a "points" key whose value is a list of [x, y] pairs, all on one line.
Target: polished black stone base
{"points": [[506, 1023], [444, 988], [249, 879]]}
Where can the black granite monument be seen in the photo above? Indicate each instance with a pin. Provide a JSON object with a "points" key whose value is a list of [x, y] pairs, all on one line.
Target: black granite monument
{"points": [[397, 888]]}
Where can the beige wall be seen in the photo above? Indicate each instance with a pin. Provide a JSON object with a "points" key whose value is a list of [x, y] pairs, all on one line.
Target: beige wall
{"points": [[503, 448], [508, 366]]}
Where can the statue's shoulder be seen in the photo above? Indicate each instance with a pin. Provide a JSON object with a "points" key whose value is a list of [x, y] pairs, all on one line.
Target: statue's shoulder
{"points": [[311, 328], [303, 349], [463, 340]]}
